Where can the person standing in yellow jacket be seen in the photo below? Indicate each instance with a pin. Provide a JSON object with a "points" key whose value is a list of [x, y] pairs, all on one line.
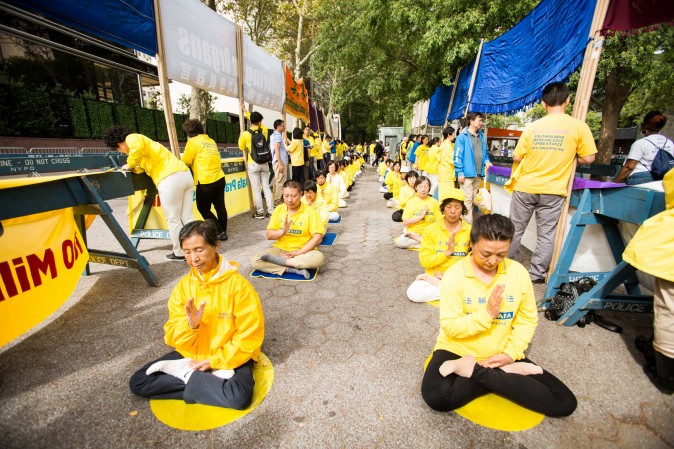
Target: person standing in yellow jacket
{"points": [[422, 155], [432, 164], [443, 243], [215, 326], [171, 176], [446, 176], [487, 320], [202, 156], [258, 174], [651, 250]]}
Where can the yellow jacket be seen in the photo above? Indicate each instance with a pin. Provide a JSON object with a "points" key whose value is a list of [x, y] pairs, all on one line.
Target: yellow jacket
{"points": [[393, 182], [320, 207], [303, 225], [446, 168], [434, 243], [329, 194], [152, 157], [326, 147], [202, 156], [433, 160], [413, 209], [246, 140], [232, 328], [651, 248], [466, 327], [381, 168], [406, 193], [296, 152], [422, 156]]}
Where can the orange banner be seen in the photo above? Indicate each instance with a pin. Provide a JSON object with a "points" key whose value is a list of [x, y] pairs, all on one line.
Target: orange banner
{"points": [[297, 98]]}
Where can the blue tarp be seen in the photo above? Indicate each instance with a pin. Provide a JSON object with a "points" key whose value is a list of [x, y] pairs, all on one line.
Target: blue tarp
{"points": [[436, 112], [127, 22], [546, 46]]}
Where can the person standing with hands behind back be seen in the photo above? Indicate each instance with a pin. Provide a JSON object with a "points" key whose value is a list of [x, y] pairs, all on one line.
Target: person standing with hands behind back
{"points": [[202, 156]]}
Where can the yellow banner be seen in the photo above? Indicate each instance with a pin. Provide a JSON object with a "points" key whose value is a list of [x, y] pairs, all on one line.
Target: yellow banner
{"points": [[236, 199], [41, 259], [297, 98]]}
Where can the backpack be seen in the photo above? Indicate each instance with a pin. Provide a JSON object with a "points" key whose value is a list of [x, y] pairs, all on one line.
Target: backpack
{"points": [[260, 151], [566, 297], [662, 162]]}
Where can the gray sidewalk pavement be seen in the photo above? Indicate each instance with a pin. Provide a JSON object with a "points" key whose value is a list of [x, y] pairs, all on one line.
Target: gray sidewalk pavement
{"points": [[348, 352]]}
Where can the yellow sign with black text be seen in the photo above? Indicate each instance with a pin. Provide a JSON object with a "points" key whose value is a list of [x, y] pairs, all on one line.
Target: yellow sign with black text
{"points": [[42, 256]]}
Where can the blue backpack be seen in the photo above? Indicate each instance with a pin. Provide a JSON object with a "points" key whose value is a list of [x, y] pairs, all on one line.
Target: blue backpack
{"points": [[662, 162]]}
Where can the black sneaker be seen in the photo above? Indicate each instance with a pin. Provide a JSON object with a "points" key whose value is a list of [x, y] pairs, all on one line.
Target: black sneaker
{"points": [[268, 215], [222, 236], [174, 257], [258, 216]]}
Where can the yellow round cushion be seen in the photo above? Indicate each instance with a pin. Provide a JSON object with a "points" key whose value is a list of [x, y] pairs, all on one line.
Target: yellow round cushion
{"points": [[179, 415], [435, 303], [496, 412]]}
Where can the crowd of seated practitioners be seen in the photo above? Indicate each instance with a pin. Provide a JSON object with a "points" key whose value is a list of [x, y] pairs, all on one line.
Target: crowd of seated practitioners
{"points": [[420, 211], [406, 191], [297, 230]]}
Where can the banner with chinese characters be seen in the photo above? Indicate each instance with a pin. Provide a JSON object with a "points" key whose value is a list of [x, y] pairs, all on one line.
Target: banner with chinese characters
{"points": [[200, 47], [42, 256], [263, 78], [297, 98]]}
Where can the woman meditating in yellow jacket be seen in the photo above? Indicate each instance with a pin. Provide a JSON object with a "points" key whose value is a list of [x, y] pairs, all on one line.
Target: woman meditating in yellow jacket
{"points": [[442, 244], [216, 327], [487, 320]]}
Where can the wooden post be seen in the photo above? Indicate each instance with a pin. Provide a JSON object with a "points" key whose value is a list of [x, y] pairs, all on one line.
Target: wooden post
{"points": [[163, 84], [451, 99], [580, 106], [472, 80], [242, 114]]}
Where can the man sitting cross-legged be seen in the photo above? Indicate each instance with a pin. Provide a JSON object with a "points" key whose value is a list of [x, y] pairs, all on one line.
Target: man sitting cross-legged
{"points": [[297, 229]]}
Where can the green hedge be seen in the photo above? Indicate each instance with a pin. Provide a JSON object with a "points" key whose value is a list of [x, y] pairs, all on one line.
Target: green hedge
{"points": [[100, 117], [78, 118], [125, 115], [146, 123]]}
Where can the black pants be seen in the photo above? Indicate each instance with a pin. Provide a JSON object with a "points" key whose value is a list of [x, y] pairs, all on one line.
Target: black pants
{"points": [[388, 195], [213, 193], [202, 388], [298, 174], [542, 393]]}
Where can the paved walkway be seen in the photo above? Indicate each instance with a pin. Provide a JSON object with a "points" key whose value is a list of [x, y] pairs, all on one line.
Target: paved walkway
{"points": [[347, 350]]}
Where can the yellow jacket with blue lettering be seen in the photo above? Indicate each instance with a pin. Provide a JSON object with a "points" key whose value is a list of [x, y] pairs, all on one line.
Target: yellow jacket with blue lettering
{"points": [[434, 243], [202, 156], [232, 329], [152, 157], [466, 327]]}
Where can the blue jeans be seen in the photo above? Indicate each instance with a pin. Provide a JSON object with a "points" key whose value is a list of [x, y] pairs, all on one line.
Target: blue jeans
{"points": [[641, 177]]}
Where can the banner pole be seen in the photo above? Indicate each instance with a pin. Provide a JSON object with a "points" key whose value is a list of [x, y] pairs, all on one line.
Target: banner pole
{"points": [[472, 80], [581, 104], [451, 99], [242, 113], [163, 84]]}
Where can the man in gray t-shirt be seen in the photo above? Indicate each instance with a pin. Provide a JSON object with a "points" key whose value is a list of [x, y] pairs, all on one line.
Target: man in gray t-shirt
{"points": [[277, 141]]}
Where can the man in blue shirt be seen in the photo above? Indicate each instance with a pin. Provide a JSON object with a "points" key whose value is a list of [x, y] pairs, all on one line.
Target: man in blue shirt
{"points": [[279, 159], [471, 159]]}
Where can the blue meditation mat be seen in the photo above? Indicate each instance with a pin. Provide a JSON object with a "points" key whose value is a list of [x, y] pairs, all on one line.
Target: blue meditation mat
{"points": [[328, 239], [336, 221], [285, 276]]}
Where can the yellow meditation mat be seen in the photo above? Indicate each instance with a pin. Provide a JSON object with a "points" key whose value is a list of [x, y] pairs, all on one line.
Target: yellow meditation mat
{"points": [[179, 415], [496, 412], [434, 303]]}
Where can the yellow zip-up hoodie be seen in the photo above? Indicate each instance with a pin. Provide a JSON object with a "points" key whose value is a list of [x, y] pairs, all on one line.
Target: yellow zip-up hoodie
{"points": [[413, 209], [446, 168], [422, 156], [466, 327], [202, 155], [152, 157], [434, 243], [405, 194], [231, 330], [393, 182]]}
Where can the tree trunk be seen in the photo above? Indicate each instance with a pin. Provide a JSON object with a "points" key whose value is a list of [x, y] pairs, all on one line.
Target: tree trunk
{"points": [[615, 97]]}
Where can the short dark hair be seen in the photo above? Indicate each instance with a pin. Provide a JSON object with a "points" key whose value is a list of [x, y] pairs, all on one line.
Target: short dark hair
{"points": [[278, 122], [255, 118], [412, 173], [435, 140], [473, 115], [555, 94], [193, 127], [412, 136], [492, 227], [207, 229], [333, 163], [448, 132], [310, 185], [421, 179], [293, 184], [115, 135], [446, 201], [320, 173], [298, 133]]}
